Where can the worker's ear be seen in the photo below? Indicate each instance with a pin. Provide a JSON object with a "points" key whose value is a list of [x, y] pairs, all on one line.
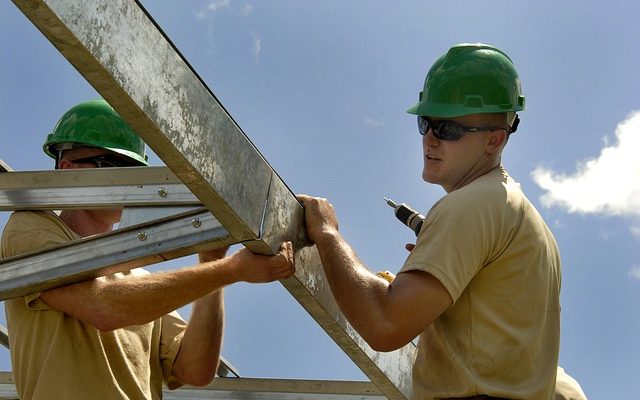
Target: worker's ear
{"points": [[496, 139], [63, 163]]}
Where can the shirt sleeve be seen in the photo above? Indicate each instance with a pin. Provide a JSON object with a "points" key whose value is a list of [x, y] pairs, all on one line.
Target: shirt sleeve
{"points": [[28, 231], [453, 243]]}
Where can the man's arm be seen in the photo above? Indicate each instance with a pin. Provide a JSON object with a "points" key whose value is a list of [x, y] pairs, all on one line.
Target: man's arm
{"points": [[199, 355], [110, 304], [387, 315]]}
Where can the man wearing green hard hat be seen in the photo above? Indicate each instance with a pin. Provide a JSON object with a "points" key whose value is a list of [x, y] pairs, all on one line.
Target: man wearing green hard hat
{"points": [[94, 124], [481, 286], [117, 336]]}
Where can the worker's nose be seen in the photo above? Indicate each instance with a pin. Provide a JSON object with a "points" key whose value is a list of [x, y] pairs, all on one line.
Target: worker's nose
{"points": [[429, 139]]}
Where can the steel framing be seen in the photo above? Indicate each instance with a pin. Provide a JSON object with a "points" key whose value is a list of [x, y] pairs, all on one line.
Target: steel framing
{"points": [[123, 54]]}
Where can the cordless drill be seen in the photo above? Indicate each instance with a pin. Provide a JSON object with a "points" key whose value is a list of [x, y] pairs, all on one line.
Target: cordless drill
{"points": [[410, 218], [407, 215]]}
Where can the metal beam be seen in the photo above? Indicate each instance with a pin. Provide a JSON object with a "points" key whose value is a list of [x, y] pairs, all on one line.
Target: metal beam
{"points": [[120, 51], [251, 389], [117, 47], [4, 167], [88, 177], [226, 370], [93, 188], [127, 248], [4, 336], [278, 389]]}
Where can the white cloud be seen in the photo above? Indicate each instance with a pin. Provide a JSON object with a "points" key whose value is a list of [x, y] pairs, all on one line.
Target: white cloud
{"points": [[212, 7], [256, 48], [634, 272], [635, 230], [247, 9], [371, 122], [608, 184]]}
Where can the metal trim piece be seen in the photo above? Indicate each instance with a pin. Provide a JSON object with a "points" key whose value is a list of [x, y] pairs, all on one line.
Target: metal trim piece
{"points": [[128, 248], [252, 389]]}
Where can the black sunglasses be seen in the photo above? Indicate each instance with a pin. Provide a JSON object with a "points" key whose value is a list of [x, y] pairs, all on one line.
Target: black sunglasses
{"points": [[106, 161], [448, 130]]}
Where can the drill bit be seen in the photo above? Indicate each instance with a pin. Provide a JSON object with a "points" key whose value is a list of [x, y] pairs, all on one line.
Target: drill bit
{"points": [[407, 215]]}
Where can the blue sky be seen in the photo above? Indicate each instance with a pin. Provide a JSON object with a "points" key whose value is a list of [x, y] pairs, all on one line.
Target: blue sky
{"points": [[321, 88]]}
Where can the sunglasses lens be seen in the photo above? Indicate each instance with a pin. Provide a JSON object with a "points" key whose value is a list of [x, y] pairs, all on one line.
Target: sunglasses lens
{"points": [[449, 131], [423, 125], [443, 130], [103, 162]]}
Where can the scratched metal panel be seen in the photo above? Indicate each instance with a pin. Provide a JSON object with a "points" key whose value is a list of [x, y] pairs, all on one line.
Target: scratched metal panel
{"points": [[283, 217], [121, 52]]}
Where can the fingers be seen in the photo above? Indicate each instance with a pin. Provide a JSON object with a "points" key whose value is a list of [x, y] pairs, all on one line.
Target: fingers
{"points": [[280, 266], [288, 266], [317, 203], [303, 198], [261, 269], [320, 217]]}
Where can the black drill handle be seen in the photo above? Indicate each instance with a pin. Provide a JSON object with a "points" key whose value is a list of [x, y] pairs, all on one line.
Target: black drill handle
{"points": [[409, 217]]}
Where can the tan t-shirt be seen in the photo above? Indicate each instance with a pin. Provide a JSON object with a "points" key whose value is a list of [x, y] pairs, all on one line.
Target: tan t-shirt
{"points": [[492, 251], [55, 356], [568, 388]]}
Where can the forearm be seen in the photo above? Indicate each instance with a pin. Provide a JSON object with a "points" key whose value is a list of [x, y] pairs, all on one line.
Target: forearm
{"points": [[197, 361], [387, 315], [115, 303], [361, 295], [108, 303]]}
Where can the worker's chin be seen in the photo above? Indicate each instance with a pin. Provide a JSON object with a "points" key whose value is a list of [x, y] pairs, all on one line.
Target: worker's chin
{"points": [[428, 177]]}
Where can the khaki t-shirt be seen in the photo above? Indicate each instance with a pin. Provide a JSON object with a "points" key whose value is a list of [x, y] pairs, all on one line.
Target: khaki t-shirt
{"points": [[568, 388], [55, 356], [492, 251]]}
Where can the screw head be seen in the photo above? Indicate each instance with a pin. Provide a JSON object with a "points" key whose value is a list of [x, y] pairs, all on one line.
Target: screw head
{"points": [[162, 192], [196, 223], [142, 236]]}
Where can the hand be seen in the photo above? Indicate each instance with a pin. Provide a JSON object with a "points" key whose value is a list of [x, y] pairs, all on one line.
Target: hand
{"points": [[319, 215], [257, 268]]}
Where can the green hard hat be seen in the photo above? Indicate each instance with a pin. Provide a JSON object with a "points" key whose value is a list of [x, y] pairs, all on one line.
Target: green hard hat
{"points": [[470, 79], [95, 123]]}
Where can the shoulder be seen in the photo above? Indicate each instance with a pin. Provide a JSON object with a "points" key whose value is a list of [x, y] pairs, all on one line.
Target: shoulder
{"points": [[33, 230], [39, 223], [489, 193], [27, 219]]}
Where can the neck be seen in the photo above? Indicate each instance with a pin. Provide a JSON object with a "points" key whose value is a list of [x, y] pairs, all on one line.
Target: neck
{"points": [[479, 169], [84, 223]]}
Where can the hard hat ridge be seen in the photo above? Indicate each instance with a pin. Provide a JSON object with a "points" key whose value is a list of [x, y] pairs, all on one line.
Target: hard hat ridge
{"points": [[470, 79], [95, 123]]}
